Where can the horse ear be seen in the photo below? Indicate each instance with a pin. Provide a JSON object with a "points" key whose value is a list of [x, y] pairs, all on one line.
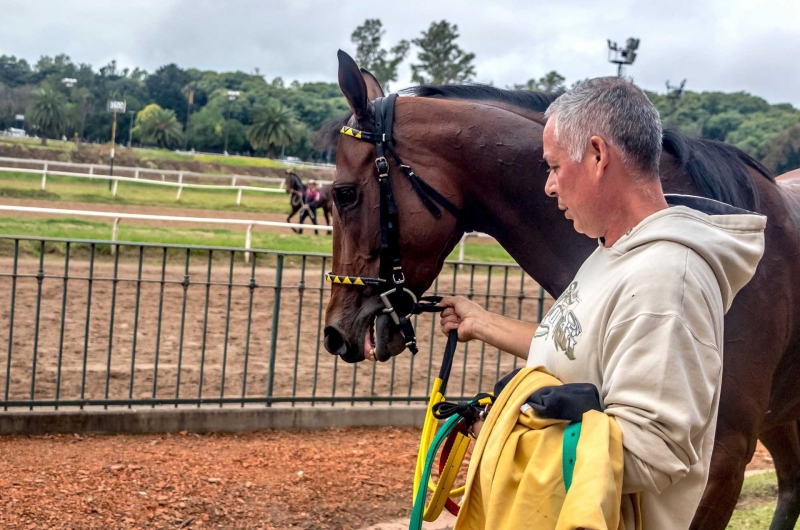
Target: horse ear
{"points": [[353, 85], [374, 88]]}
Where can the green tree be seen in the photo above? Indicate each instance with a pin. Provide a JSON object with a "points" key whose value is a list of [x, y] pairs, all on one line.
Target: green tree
{"points": [[157, 126], [551, 82], [370, 55], [274, 125], [784, 151], [441, 60], [47, 111]]}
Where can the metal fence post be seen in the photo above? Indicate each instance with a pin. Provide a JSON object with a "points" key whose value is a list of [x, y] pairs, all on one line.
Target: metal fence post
{"points": [[273, 342], [44, 176]]}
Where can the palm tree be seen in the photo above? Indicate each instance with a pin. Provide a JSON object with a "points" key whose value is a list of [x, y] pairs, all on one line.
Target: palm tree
{"points": [[47, 111], [159, 126], [274, 125]]}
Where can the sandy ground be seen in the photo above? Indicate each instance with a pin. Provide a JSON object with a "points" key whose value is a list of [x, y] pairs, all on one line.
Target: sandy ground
{"points": [[302, 367], [350, 479]]}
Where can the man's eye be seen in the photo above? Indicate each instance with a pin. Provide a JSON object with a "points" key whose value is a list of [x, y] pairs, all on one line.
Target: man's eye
{"points": [[345, 196]]}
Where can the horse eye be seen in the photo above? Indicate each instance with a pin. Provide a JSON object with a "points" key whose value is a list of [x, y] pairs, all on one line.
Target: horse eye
{"points": [[345, 196]]}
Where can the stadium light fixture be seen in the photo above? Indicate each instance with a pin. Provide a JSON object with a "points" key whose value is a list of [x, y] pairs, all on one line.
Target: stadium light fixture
{"points": [[622, 56]]}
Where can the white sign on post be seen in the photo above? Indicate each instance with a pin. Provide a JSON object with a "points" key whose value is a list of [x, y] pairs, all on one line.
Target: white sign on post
{"points": [[116, 106], [19, 117]]}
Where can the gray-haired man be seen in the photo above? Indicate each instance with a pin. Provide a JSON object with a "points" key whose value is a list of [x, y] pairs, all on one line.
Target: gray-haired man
{"points": [[643, 318]]}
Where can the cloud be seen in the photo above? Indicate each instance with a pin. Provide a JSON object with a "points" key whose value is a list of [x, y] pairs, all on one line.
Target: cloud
{"points": [[716, 45]]}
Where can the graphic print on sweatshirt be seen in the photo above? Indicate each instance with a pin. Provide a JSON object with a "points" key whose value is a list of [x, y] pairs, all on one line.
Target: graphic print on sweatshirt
{"points": [[560, 324]]}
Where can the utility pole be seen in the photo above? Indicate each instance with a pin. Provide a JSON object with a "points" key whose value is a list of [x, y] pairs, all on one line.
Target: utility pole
{"points": [[130, 126], [190, 99], [232, 95], [114, 107]]}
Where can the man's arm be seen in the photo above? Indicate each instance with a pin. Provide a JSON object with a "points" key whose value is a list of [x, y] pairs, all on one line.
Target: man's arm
{"points": [[659, 383], [474, 322]]}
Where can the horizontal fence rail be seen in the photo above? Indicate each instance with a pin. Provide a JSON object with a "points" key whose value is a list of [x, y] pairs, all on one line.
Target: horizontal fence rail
{"points": [[117, 179], [153, 325], [140, 172], [118, 216]]}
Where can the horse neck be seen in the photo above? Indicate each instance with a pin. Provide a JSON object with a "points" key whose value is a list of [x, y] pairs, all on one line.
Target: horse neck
{"points": [[506, 199]]}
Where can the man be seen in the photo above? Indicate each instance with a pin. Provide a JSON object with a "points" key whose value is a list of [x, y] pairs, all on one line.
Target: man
{"points": [[643, 318], [311, 202]]}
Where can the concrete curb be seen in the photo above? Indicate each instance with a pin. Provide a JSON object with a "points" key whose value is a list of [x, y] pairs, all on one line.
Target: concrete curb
{"points": [[145, 421]]}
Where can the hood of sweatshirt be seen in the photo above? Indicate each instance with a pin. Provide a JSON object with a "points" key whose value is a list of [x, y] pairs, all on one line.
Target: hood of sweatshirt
{"points": [[729, 239]]}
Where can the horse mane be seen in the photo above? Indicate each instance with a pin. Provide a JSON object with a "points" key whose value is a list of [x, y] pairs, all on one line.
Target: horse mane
{"points": [[297, 181], [536, 101], [720, 171]]}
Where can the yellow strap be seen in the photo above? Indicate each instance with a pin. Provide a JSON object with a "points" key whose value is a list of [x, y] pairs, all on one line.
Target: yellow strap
{"points": [[428, 433], [443, 490]]}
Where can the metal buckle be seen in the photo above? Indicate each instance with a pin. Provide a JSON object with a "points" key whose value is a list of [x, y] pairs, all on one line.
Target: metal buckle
{"points": [[383, 166], [398, 277]]}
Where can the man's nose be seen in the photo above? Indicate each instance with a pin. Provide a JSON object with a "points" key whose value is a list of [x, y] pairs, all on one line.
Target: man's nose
{"points": [[550, 186]]}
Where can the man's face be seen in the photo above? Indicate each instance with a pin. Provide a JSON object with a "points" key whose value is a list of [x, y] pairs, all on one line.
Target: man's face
{"points": [[574, 184]]}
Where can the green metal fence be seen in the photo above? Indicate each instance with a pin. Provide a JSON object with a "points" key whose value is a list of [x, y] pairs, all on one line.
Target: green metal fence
{"points": [[101, 324]]}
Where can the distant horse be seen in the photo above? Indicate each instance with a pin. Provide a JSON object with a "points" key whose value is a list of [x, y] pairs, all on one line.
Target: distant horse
{"points": [[481, 148], [297, 200]]}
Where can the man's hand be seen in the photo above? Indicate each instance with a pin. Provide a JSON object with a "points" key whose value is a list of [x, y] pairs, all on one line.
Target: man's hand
{"points": [[475, 323], [464, 315]]}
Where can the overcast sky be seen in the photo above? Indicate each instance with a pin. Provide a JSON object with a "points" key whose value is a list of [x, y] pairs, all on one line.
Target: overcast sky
{"points": [[726, 45]]}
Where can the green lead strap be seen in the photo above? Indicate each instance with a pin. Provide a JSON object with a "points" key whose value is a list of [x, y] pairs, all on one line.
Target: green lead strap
{"points": [[569, 452]]}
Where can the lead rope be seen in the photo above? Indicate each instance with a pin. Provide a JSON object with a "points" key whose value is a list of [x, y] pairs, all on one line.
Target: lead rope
{"points": [[453, 434]]}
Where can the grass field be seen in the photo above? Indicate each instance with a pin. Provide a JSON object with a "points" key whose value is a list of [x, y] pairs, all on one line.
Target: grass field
{"points": [[154, 154], [82, 229], [75, 189], [756, 502]]}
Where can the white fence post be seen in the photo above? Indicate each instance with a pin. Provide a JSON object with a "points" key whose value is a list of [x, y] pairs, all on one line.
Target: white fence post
{"points": [[461, 250], [91, 169], [114, 230], [247, 239], [44, 176], [233, 181], [180, 188], [239, 197], [114, 188], [162, 178], [136, 173]]}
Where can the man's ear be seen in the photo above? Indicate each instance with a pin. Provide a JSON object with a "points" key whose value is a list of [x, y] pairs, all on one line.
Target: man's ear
{"points": [[598, 151]]}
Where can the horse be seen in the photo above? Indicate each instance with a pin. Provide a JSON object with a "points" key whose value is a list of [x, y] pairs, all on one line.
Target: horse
{"points": [[297, 200], [480, 148]]}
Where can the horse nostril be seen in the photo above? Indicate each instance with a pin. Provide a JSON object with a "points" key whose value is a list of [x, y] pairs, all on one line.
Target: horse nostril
{"points": [[334, 341]]}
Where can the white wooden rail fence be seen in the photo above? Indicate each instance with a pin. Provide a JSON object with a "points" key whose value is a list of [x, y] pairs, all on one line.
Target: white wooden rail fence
{"points": [[138, 172]]}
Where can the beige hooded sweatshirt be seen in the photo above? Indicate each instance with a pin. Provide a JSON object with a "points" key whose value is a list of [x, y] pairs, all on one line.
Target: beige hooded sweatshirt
{"points": [[643, 321]]}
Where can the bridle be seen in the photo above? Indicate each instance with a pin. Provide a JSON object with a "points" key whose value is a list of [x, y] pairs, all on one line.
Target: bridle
{"points": [[391, 280]]}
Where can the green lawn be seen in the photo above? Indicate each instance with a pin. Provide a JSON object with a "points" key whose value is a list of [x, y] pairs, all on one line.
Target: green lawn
{"points": [[73, 228], [76, 189], [756, 502], [143, 155]]}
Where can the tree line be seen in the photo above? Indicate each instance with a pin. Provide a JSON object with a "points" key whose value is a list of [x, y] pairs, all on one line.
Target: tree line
{"points": [[208, 111]]}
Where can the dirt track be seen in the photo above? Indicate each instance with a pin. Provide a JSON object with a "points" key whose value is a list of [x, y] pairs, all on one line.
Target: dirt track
{"points": [[200, 354], [351, 478]]}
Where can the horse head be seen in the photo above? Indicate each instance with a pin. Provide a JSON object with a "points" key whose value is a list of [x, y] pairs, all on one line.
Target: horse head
{"points": [[356, 321]]}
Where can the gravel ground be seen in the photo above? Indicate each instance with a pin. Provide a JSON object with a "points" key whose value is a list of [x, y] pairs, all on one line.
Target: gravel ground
{"points": [[313, 480]]}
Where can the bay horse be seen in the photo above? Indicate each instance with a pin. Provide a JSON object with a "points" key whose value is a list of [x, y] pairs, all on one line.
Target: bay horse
{"points": [[297, 200], [481, 149]]}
